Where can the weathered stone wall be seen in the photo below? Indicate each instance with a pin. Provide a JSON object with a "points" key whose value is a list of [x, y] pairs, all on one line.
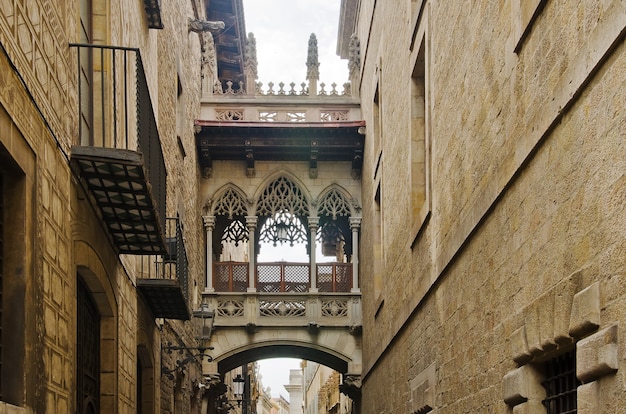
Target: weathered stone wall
{"points": [[63, 235], [527, 201]]}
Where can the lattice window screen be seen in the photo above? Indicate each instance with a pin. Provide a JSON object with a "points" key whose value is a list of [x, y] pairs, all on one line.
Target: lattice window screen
{"points": [[333, 204], [230, 204], [282, 195]]}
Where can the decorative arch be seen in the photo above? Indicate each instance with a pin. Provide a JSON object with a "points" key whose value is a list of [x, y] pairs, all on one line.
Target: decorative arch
{"points": [[91, 274], [334, 200], [282, 208], [271, 178], [334, 209], [229, 201], [284, 349], [230, 208]]}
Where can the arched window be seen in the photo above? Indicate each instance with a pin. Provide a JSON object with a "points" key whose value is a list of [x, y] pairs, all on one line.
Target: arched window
{"points": [[231, 235], [334, 226], [88, 351], [282, 210]]}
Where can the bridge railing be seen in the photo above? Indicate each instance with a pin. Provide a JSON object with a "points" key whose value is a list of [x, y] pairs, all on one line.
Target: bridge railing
{"points": [[311, 310], [282, 277]]}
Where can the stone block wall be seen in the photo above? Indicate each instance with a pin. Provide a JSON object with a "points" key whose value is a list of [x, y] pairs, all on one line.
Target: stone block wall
{"points": [[63, 236], [527, 164]]}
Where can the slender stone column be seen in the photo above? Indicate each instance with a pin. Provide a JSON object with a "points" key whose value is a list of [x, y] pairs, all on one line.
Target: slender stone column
{"points": [[313, 224], [209, 226], [355, 225], [251, 222]]}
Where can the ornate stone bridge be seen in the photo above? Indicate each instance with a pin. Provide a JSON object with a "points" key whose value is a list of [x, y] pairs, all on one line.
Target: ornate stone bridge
{"points": [[320, 327]]}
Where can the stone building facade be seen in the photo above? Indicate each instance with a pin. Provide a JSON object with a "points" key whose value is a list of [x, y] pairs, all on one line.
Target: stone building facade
{"points": [[494, 191], [77, 335]]}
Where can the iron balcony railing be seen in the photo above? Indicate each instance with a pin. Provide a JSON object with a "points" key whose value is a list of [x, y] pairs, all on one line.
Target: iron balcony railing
{"points": [[116, 113], [164, 279], [172, 265], [281, 277]]}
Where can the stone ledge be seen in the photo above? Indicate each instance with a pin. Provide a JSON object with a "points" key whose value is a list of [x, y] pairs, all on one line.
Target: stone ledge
{"points": [[597, 355], [521, 385], [585, 316]]}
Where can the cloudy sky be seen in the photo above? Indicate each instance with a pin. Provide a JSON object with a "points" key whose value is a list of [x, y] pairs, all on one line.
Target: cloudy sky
{"points": [[282, 29]]}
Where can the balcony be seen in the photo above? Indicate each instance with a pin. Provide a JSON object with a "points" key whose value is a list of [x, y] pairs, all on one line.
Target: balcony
{"points": [[118, 154], [164, 279], [282, 277]]}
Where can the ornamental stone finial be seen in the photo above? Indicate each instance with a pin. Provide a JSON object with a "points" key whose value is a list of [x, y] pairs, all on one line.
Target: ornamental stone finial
{"points": [[312, 62], [251, 63], [200, 26], [354, 56]]}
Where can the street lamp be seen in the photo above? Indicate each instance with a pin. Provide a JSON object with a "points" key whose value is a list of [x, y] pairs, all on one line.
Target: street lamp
{"points": [[194, 353], [223, 403], [238, 385]]}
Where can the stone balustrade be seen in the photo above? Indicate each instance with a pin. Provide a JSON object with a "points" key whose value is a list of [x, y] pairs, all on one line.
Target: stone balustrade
{"points": [[310, 310]]}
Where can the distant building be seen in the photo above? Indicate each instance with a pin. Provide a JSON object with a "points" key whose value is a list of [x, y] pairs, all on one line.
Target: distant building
{"points": [[295, 390], [321, 391], [281, 406]]}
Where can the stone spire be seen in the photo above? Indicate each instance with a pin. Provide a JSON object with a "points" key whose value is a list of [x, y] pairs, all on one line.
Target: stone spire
{"points": [[354, 63], [312, 65], [251, 64]]}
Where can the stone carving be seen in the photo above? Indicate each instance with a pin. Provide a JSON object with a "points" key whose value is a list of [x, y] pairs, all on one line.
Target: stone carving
{"points": [[282, 308], [251, 63], [230, 308], [209, 63], [335, 308], [351, 386], [200, 26], [330, 116], [230, 204], [229, 115], [312, 61], [354, 57], [333, 204]]}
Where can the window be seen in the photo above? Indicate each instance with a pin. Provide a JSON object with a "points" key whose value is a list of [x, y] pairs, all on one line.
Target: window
{"points": [[14, 273], [560, 383], [419, 140], [378, 246], [418, 135], [88, 352]]}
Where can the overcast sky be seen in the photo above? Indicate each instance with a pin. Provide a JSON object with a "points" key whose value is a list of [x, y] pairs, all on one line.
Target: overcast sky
{"points": [[282, 29]]}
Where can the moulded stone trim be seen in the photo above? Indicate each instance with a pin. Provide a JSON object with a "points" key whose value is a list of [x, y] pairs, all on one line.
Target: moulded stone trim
{"points": [[521, 385], [588, 398], [529, 407], [597, 355], [585, 316], [519, 346], [423, 390]]}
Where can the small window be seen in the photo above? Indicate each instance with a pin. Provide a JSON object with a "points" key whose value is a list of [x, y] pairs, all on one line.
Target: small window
{"points": [[560, 384]]}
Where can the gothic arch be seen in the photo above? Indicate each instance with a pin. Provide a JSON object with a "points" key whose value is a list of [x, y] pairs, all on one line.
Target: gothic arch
{"points": [[347, 199], [230, 207], [276, 175], [335, 207], [283, 204], [228, 197]]}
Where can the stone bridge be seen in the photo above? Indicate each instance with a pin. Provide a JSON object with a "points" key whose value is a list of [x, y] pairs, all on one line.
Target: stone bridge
{"points": [[320, 327]]}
